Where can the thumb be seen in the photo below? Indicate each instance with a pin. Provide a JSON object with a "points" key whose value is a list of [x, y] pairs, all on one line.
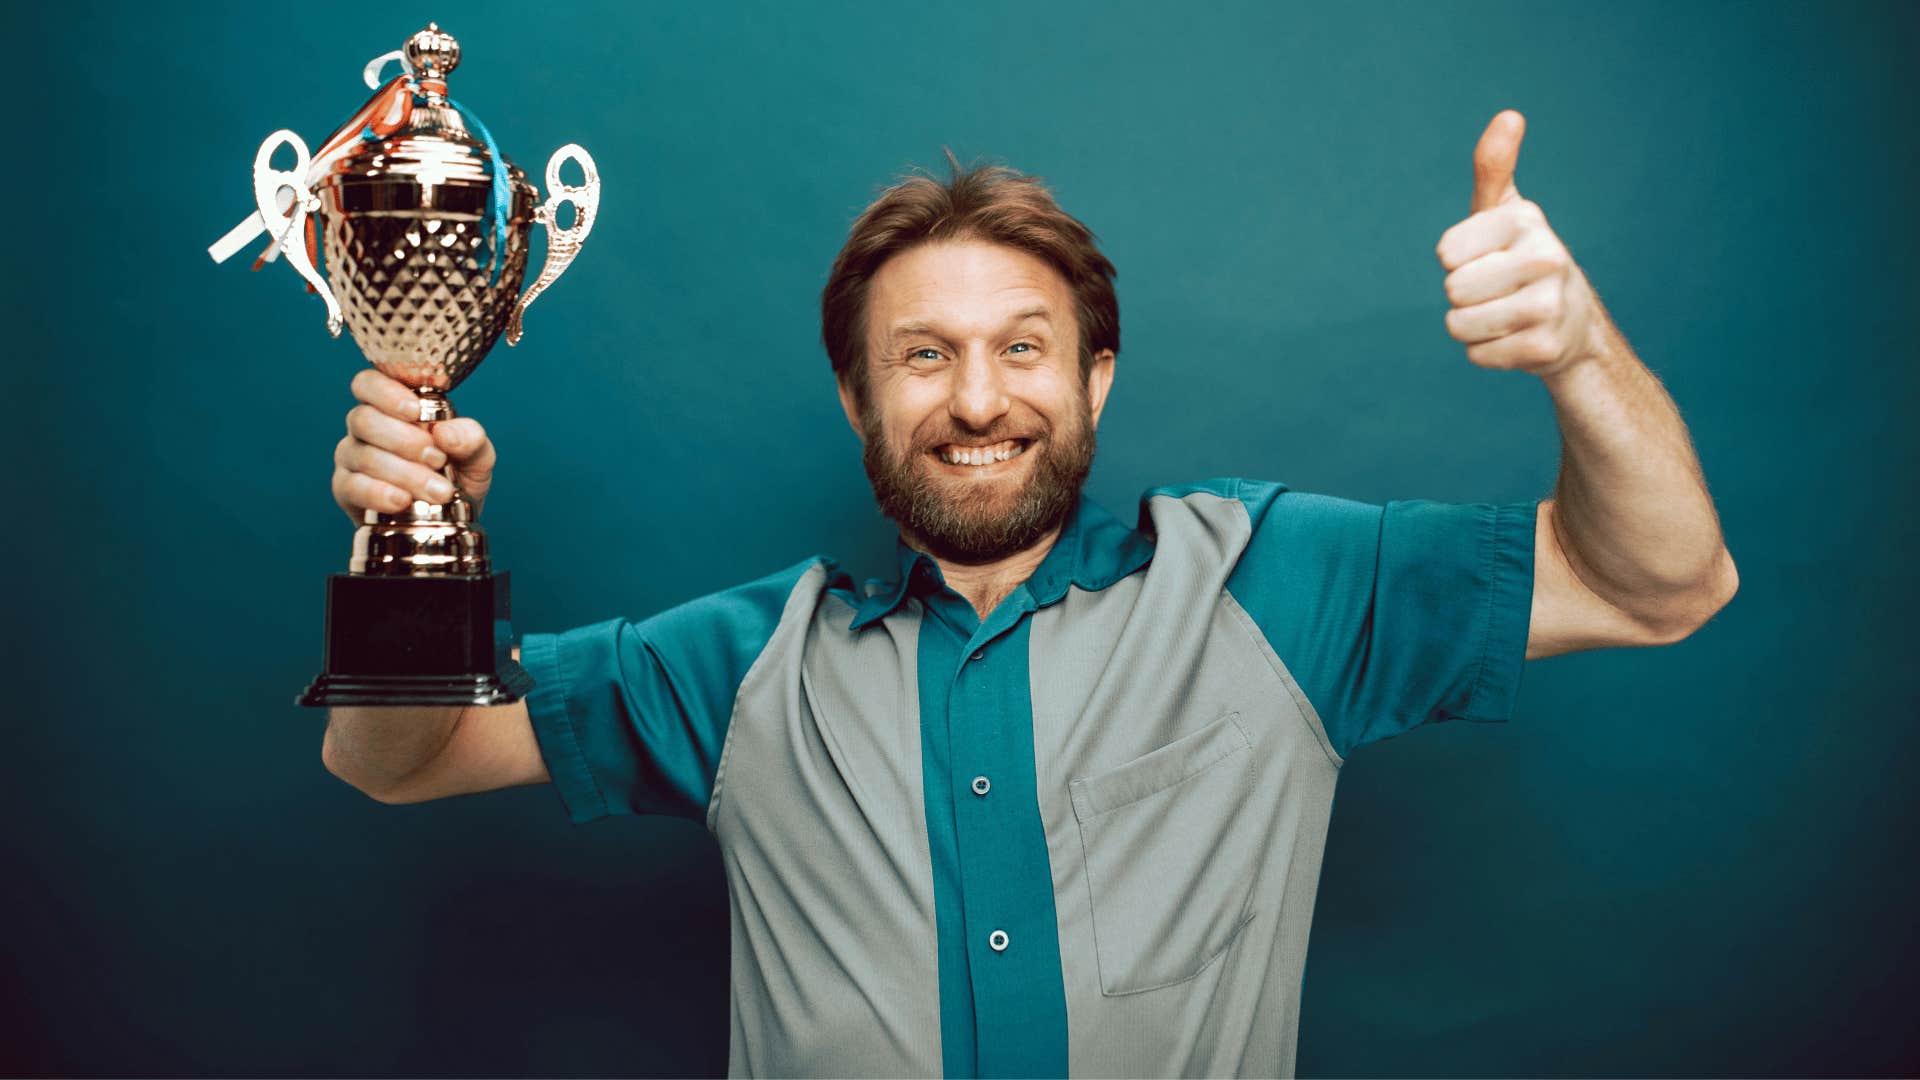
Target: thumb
{"points": [[470, 451], [1494, 159]]}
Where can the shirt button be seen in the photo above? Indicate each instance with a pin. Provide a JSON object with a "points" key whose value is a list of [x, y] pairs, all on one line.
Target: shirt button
{"points": [[981, 785], [979, 654], [997, 941]]}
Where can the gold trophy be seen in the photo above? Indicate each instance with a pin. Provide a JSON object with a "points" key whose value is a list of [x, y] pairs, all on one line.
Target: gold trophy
{"points": [[422, 226]]}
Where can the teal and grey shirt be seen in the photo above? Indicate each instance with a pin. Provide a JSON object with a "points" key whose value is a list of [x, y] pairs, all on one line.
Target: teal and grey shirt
{"points": [[1081, 837]]}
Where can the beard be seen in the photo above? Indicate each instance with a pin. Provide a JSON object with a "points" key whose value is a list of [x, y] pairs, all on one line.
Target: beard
{"points": [[954, 518]]}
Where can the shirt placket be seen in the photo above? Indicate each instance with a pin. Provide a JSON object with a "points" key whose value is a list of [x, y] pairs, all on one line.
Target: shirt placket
{"points": [[1008, 920]]}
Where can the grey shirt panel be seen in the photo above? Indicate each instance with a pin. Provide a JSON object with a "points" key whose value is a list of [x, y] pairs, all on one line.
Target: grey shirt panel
{"points": [[823, 837], [1186, 789]]}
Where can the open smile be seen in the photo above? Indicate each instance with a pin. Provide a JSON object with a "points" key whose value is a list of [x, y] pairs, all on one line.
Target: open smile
{"points": [[980, 457]]}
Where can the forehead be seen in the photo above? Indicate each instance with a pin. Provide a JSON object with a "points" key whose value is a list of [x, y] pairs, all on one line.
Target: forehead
{"points": [[963, 283]]}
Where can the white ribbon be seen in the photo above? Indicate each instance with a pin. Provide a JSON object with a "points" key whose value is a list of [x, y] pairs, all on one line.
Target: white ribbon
{"points": [[252, 226], [371, 73]]}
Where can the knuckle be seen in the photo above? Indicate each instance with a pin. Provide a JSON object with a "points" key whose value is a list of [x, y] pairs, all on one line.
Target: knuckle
{"points": [[1536, 310], [386, 466]]}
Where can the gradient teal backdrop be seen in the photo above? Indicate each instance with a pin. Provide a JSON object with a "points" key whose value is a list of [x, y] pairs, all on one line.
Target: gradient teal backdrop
{"points": [[1689, 860]]}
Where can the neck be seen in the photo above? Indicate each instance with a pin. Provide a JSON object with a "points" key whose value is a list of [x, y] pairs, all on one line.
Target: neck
{"points": [[986, 584]]}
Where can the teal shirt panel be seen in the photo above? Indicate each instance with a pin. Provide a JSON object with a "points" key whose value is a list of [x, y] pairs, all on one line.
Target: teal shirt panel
{"points": [[631, 716], [1389, 616], [1003, 1012]]}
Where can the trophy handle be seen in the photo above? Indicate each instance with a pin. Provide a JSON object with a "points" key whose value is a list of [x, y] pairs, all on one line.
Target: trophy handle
{"points": [[289, 226], [562, 244]]}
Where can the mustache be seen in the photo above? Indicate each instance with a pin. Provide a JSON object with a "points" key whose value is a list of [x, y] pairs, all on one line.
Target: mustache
{"points": [[991, 435]]}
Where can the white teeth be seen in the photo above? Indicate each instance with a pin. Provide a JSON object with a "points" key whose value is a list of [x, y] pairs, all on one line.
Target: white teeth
{"points": [[981, 455]]}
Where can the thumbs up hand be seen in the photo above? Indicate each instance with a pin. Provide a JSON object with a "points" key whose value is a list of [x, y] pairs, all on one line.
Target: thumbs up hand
{"points": [[1519, 301]]}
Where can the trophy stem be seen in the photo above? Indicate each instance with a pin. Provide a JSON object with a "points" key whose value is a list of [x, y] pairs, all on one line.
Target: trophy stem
{"points": [[427, 539], [434, 405]]}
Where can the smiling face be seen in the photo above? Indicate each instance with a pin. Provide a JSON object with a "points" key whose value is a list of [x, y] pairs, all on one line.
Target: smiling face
{"points": [[978, 428]]}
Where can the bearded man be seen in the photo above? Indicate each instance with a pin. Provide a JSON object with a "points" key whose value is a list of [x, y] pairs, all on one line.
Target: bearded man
{"points": [[1051, 797]]}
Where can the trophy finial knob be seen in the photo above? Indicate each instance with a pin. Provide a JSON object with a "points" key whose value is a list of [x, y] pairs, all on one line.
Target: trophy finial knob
{"points": [[432, 52]]}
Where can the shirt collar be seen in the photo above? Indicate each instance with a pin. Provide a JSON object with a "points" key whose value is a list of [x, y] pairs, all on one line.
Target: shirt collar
{"points": [[1094, 550]]}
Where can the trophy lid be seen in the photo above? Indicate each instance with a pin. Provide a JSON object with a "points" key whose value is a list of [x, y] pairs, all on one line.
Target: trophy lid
{"points": [[411, 135]]}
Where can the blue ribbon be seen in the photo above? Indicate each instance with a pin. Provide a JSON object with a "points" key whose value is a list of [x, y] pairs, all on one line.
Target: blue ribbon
{"points": [[494, 224]]}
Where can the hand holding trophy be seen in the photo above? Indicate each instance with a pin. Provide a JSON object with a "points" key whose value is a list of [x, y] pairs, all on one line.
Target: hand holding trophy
{"points": [[422, 227]]}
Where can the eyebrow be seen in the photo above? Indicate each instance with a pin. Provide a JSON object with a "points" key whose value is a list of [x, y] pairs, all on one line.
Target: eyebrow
{"points": [[908, 329]]}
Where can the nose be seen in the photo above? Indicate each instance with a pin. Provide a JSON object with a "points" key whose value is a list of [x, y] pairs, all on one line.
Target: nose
{"points": [[978, 395]]}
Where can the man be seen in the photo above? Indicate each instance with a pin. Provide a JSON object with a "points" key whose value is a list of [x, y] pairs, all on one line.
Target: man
{"points": [[1052, 799]]}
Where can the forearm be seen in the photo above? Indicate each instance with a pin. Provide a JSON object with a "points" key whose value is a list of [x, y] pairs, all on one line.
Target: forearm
{"points": [[375, 748], [1631, 509]]}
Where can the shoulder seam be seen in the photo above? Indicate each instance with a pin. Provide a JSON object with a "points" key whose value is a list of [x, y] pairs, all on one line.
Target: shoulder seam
{"points": [[819, 563], [1315, 725]]}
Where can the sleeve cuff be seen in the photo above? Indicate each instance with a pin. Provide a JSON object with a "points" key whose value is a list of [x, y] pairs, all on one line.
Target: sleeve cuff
{"points": [[547, 707], [1506, 560]]}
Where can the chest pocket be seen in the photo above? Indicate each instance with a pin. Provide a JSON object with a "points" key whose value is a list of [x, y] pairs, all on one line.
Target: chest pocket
{"points": [[1171, 874]]}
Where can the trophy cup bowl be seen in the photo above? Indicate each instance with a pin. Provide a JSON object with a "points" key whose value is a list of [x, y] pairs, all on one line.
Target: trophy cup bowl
{"points": [[423, 228]]}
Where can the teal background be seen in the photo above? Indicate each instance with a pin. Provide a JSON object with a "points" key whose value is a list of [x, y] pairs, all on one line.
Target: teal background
{"points": [[1689, 860]]}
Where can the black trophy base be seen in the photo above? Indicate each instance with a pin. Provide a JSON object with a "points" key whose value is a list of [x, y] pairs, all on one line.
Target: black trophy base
{"points": [[418, 641]]}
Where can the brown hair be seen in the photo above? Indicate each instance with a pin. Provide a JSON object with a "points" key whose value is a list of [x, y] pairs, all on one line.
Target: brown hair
{"points": [[991, 203]]}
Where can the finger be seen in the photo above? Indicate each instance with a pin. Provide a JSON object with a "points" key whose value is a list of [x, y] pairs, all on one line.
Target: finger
{"points": [[1497, 274], [467, 445], [394, 435], [387, 394], [356, 492], [1494, 158], [464, 440], [1528, 349], [1530, 307], [423, 482], [1487, 231]]}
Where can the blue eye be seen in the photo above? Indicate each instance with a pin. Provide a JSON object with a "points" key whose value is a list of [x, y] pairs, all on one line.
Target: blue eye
{"points": [[1020, 345], [924, 354]]}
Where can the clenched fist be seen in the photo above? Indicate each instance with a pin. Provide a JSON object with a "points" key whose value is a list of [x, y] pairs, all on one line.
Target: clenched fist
{"points": [[388, 458], [1519, 301]]}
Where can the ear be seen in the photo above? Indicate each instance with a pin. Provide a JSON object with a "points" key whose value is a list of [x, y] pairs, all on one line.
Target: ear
{"points": [[848, 405], [1099, 381]]}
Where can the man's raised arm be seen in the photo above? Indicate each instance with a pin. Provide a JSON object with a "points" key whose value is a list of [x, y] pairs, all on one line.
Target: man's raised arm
{"points": [[1628, 551], [403, 755]]}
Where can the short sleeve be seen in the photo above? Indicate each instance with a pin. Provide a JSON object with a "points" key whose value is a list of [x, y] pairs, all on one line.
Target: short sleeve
{"points": [[631, 716], [1390, 616]]}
